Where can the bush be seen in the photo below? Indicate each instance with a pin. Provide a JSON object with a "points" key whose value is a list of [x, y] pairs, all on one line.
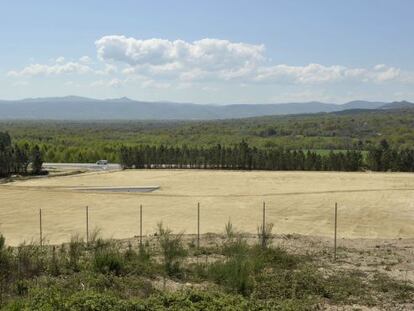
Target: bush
{"points": [[31, 261], [76, 249], [235, 272], [140, 263], [394, 290], [108, 260], [92, 301], [286, 287], [172, 250], [6, 267], [349, 287], [198, 300]]}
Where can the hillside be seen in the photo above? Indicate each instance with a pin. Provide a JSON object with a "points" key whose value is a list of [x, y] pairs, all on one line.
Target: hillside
{"points": [[80, 108], [80, 141]]}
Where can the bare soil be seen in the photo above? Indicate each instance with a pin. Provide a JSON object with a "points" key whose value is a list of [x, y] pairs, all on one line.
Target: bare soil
{"points": [[370, 205]]}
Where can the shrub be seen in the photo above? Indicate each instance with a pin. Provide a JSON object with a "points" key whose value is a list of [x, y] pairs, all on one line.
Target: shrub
{"points": [[55, 264], [140, 263], [172, 250], [265, 234], [31, 260], [108, 260], [76, 248], [6, 267], [277, 258], [92, 301], [395, 290], [284, 285], [235, 272], [348, 287]]}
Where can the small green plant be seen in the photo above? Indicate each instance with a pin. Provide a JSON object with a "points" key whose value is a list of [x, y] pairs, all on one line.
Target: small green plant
{"points": [[31, 260], [265, 234], [229, 231], [55, 267], [395, 290], [172, 250], [235, 273], [94, 237], [6, 267], [108, 259], [76, 249]]}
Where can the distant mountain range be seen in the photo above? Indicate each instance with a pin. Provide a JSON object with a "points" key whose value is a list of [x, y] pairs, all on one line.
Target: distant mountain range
{"points": [[80, 108]]}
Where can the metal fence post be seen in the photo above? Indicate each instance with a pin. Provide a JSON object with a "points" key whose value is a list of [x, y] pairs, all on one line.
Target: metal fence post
{"points": [[40, 228], [264, 225], [140, 225], [198, 225], [87, 225], [335, 229]]}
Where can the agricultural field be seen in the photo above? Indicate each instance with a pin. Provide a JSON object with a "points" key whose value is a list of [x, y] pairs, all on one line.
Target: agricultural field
{"points": [[370, 205]]}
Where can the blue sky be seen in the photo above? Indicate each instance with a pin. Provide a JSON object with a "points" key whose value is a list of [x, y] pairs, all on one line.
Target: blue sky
{"points": [[208, 51]]}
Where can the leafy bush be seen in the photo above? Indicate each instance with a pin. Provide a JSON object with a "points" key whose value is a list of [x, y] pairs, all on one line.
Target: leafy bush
{"points": [[30, 260], [172, 250], [238, 276], [6, 267], [141, 262], [108, 260], [76, 248], [236, 272]]}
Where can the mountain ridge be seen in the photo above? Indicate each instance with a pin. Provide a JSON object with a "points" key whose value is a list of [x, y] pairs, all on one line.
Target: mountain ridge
{"points": [[84, 108]]}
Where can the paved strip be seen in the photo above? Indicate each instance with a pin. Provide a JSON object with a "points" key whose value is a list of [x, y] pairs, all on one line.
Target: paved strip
{"points": [[118, 189], [82, 166]]}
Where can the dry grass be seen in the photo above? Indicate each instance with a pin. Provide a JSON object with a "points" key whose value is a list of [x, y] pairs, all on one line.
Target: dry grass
{"points": [[371, 205]]}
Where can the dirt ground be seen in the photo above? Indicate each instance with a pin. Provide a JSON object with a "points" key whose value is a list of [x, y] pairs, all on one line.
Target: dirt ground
{"points": [[392, 257], [370, 205]]}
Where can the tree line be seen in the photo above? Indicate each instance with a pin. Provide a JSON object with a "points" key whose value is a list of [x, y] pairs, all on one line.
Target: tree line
{"points": [[244, 157], [26, 158], [16, 159]]}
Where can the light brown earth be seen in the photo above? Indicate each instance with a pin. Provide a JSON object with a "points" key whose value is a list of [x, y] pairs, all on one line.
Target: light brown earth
{"points": [[370, 205]]}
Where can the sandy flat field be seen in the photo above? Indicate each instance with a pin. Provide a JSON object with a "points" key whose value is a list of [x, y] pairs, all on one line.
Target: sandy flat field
{"points": [[370, 205]]}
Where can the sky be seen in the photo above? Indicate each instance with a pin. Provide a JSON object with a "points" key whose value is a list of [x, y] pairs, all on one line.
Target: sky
{"points": [[212, 51]]}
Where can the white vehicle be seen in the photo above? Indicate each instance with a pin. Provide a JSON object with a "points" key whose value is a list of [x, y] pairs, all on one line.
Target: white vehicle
{"points": [[102, 162]]}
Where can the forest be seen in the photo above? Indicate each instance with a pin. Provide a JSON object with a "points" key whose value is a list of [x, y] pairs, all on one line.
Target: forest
{"points": [[15, 159], [75, 141], [244, 157], [350, 139]]}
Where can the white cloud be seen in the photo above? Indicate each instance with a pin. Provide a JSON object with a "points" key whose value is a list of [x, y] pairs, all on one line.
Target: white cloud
{"points": [[114, 83], [160, 57], [85, 60], [317, 73], [385, 73], [59, 67], [60, 60], [223, 60], [155, 85], [312, 73], [108, 69], [161, 63], [212, 53]]}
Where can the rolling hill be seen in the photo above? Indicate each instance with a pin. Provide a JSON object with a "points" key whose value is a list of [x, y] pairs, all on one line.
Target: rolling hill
{"points": [[81, 108]]}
